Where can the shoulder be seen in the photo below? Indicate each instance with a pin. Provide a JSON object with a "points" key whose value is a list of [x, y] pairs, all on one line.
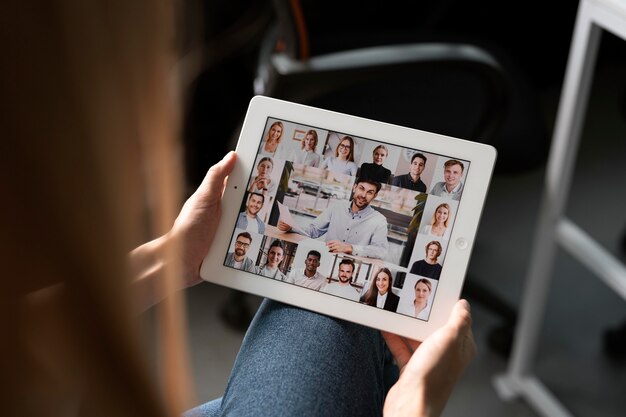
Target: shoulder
{"points": [[342, 205], [438, 186], [398, 179], [377, 215]]}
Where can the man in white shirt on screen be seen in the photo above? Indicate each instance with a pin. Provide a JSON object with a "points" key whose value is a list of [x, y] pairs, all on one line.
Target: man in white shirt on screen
{"points": [[452, 187], [308, 276], [342, 288], [249, 219]]}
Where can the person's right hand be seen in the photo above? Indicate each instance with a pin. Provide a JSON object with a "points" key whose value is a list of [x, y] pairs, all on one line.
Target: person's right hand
{"points": [[282, 226], [429, 369]]}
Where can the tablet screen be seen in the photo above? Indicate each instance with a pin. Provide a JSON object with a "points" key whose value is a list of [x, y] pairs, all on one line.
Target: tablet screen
{"points": [[350, 216]]}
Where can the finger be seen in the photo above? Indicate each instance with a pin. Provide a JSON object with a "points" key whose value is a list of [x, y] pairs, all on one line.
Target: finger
{"points": [[413, 344], [461, 317], [460, 322], [399, 348]]}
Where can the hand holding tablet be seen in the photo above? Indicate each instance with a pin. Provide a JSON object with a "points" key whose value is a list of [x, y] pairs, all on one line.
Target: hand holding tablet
{"points": [[383, 225]]}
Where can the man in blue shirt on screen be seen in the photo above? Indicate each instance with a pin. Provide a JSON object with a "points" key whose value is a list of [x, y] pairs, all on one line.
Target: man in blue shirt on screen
{"points": [[351, 227]]}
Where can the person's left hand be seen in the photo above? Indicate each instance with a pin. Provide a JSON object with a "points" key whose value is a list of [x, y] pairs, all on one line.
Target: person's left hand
{"points": [[197, 222]]}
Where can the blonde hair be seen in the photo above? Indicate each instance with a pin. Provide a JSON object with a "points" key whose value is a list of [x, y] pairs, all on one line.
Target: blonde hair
{"points": [[313, 133], [434, 218], [280, 137], [91, 125]]}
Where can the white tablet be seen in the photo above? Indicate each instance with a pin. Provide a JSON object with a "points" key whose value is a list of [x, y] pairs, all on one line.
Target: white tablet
{"points": [[357, 219]]}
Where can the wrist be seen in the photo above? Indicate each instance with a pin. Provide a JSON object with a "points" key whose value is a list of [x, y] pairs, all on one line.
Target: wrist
{"points": [[148, 265], [408, 399]]}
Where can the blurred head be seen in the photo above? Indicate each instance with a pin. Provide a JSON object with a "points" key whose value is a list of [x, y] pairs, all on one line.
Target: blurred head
{"points": [[380, 154], [309, 142], [92, 108], [345, 149]]}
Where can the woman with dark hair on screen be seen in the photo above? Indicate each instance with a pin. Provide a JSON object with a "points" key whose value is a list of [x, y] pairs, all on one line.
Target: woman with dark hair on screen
{"points": [[380, 294], [101, 121], [273, 138], [343, 161], [375, 170], [262, 183], [438, 226]]}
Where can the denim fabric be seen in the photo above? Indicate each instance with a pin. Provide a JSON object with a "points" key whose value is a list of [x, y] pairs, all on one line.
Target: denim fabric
{"points": [[297, 363]]}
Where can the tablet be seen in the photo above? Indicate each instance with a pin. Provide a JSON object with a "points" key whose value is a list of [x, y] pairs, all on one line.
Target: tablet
{"points": [[353, 218]]}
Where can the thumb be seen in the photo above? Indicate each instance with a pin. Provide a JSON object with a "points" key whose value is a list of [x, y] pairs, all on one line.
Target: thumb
{"points": [[213, 183]]}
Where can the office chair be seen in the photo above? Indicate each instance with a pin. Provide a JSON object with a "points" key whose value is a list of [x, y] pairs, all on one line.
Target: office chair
{"points": [[422, 85]]}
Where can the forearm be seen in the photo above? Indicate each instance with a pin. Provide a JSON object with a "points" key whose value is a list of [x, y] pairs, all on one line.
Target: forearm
{"points": [[369, 251], [375, 249], [147, 266]]}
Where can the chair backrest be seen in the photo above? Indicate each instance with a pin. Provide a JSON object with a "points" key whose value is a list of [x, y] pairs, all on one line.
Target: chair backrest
{"points": [[461, 90]]}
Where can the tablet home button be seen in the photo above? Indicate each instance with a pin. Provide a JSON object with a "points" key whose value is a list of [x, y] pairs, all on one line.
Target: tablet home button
{"points": [[461, 243]]}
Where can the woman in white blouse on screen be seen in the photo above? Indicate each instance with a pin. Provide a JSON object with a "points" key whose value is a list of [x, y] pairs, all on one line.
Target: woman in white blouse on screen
{"points": [[438, 226], [306, 154], [419, 307], [343, 161]]}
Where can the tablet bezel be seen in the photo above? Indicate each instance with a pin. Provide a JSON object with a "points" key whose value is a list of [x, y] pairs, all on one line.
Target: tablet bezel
{"points": [[482, 160]]}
